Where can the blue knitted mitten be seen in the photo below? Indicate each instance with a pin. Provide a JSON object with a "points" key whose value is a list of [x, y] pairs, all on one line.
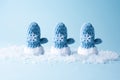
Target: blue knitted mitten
{"points": [[34, 35], [60, 38], [87, 36]]}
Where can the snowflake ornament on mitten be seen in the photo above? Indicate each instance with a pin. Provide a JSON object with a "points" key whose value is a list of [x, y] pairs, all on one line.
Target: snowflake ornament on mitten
{"points": [[60, 41], [87, 40], [34, 41]]}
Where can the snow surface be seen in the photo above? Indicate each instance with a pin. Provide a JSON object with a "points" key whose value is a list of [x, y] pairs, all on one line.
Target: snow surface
{"points": [[17, 54], [85, 52], [63, 51], [36, 51]]}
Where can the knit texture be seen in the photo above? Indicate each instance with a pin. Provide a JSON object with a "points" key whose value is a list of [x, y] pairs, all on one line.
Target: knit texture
{"points": [[33, 38], [87, 36], [60, 38]]}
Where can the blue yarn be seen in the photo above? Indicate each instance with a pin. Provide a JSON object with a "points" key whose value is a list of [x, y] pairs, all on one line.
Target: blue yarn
{"points": [[87, 36], [34, 35], [60, 39]]}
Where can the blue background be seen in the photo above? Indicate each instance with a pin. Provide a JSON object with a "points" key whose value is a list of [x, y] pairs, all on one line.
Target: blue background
{"points": [[16, 15]]}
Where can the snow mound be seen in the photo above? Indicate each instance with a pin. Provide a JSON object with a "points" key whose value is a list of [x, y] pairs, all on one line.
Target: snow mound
{"points": [[36, 51], [90, 51], [64, 51], [16, 53]]}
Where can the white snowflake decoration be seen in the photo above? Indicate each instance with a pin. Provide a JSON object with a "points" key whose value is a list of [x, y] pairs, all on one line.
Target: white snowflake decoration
{"points": [[32, 37], [59, 38], [86, 38]]}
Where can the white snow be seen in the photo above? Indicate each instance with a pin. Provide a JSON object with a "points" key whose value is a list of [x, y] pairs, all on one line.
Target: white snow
{"points": [[63, 51], [17, 54], [90, 51], [35, 51]]}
